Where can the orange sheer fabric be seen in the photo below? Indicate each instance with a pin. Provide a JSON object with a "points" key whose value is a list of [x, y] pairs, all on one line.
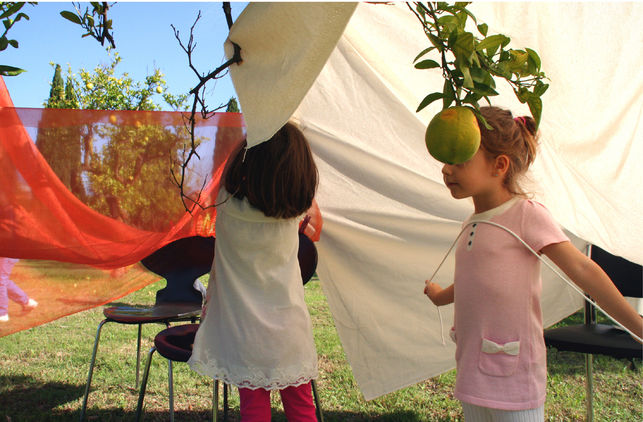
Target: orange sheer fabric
{"points": [[87, 194]]}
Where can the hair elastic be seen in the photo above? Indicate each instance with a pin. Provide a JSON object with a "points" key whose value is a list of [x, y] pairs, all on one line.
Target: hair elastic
{"points": [[521, 119]]}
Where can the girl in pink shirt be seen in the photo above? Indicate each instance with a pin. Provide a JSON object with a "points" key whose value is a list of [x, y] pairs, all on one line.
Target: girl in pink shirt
{"points": [[500, 352]]}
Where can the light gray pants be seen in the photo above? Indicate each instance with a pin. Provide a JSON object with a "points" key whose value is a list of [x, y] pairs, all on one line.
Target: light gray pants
{"points": [[473, 413]]}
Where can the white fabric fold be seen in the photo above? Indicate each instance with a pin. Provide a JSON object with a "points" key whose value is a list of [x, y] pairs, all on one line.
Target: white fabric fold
{"points": [[389, 220], [284, 47]]}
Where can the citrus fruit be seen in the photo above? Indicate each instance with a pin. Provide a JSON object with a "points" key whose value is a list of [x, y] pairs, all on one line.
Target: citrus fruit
{"points": [[453, 135]]}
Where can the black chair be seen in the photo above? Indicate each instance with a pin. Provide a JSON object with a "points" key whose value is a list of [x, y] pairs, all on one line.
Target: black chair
{"points": [[593, 338], [181, 263], [175, 344]]}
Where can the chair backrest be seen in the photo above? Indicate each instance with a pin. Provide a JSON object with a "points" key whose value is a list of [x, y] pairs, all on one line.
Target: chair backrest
{"points": [[626, 275], [184, 260], [307, 256], [181, 263]]}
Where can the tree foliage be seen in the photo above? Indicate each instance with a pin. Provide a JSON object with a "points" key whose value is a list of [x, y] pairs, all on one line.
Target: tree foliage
{"points": [[118, 166], [10, 14], [469, 62], [61, 146], [94, 21]]}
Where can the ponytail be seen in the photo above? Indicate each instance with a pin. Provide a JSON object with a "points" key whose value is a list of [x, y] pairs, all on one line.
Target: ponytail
{"points": [[517, 138]]}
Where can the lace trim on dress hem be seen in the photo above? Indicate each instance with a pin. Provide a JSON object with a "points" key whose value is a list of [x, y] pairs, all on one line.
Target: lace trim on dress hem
{"points": [[276, 386], [278, 382]]}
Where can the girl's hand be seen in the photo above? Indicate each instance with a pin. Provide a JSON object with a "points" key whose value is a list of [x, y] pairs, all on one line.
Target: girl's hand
{"points": [[437, 294]]}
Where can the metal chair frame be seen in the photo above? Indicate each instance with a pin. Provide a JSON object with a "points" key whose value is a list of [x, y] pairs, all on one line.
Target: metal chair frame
{"points": [[215, 394], [166, 321], [553, 336]]}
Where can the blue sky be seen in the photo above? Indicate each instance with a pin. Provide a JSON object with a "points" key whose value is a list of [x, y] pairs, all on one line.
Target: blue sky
{"points": [[144, 40]]}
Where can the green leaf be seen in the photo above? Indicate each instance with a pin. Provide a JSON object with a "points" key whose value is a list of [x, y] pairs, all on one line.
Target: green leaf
{"points": [[14, 43], [482, 76], [20, 16], [534, 57], [482, 120], [540, 88], [492, 42], [436, 41], [429, 99], [536, 107], [72, 17], [422, 53], [10, 70], [427, 64], [464, 13], [448, 94], [483, 28], [484, 90], [3, 43], [463, 47], [13, 9], [467, 80]]}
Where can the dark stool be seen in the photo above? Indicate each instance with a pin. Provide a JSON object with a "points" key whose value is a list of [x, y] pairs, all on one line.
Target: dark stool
{"points": [[605, 339], [181, 263], [175, 344]]}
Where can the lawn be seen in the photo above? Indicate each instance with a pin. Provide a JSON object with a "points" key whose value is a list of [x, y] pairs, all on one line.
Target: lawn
{"points": [[43, 373]]}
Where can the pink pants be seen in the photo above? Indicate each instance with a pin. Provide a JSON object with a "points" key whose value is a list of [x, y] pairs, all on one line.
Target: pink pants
{"points": [[297, 401]]}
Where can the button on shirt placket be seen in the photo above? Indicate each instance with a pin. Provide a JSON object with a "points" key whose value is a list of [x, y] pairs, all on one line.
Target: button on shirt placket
{"points": [[472, 234]]}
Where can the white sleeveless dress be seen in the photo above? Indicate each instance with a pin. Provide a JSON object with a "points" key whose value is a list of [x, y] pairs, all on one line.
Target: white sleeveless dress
{"points": [[256, 332]]}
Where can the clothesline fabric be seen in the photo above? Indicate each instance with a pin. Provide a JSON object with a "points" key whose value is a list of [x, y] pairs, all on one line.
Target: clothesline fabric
{"points": [[87, 194], [388, 218]]}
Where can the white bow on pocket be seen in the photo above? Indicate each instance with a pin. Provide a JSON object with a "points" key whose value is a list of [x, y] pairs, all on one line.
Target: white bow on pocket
{"points": [[511, 348]]}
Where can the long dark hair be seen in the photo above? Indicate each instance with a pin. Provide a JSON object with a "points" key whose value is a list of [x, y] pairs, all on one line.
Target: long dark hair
{"points": [[278, 176]]}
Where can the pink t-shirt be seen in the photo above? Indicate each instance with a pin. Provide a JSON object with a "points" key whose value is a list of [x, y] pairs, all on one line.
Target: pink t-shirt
{"points": [[500, 351]]}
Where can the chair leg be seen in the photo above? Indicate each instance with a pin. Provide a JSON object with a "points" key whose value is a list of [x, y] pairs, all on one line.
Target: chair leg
{"points": [[589, 375], [91, 370], [215, 400], [320, 414], [141, 394], [138, 354], [225, 402], [170, 380]]}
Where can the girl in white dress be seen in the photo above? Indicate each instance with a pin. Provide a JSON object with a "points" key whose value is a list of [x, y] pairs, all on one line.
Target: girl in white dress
{"points": [[256, 332]]}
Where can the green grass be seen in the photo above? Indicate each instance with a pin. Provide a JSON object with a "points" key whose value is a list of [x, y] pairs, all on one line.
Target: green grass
{"points": [[43, 373]]}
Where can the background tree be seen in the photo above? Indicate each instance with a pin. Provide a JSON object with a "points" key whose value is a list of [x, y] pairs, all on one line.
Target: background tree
{"points": [[61, 145], [116, 165]]}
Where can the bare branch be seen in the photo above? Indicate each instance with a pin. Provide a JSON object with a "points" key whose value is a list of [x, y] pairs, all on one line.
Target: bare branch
{"points": [[199, 104]]}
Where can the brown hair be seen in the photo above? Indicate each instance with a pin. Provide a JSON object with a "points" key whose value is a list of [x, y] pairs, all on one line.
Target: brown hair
{"points": [[278, 176], [517, 138]]}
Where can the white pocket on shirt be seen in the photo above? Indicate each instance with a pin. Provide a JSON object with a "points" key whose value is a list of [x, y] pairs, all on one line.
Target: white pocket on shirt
{"points": [[499, 360]]}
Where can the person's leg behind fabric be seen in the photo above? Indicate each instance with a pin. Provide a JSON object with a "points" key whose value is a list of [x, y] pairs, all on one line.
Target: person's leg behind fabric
{"points": [[473, 413], [16, 294], [298, 403], [4, 299], [254, 405]]}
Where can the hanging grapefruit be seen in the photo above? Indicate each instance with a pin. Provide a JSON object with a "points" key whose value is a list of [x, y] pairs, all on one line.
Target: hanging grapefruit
{"points": [[453, 135]]}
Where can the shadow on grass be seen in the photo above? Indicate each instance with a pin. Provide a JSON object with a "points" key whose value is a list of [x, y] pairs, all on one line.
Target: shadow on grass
{"points": [[572, 363], [277, 416], [22, 399]]}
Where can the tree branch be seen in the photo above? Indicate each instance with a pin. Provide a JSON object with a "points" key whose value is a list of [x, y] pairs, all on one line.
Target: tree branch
{"points": [[199, 103]]}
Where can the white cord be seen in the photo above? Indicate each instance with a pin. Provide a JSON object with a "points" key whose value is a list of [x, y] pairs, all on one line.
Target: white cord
{"points": [[565, 279]]}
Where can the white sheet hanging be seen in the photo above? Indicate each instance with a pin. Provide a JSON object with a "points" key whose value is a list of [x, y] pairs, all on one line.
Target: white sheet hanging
{"points": [[389, 219]]}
